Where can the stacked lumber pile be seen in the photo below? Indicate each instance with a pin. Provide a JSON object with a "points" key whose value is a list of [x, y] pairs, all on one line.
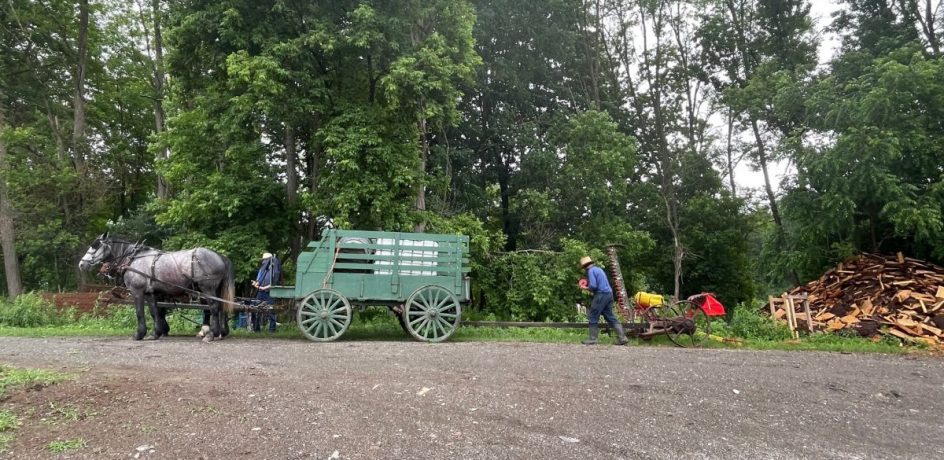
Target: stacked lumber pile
{"points": [[876, 295]]}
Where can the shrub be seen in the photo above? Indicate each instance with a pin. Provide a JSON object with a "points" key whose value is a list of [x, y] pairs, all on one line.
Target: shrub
{"points": [[31, 310], [748, 322]]}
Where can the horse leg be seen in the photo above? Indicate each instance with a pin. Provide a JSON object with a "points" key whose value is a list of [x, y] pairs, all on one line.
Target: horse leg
{"points": [[156, 333], [139, 312], [162, 322], [224, 322], [216, 316], [214, 308], [205, 327]]}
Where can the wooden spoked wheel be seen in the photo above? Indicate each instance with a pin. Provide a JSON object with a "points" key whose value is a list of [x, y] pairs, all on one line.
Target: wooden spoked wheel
{"points": [[324, 315], [692, 326], [432, 314]]}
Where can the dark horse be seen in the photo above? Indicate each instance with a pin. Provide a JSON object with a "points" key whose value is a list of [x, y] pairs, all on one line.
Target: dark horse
{"points": [[150, 272]]}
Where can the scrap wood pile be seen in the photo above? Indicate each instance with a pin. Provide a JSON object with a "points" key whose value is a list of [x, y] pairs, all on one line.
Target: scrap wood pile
{"points": [[875, 295]]}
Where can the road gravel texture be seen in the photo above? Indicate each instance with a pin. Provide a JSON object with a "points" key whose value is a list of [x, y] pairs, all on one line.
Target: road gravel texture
{"points": [[285, 399]]}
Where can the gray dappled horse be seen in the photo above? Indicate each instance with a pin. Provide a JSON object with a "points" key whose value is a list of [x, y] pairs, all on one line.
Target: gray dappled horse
{"points": [[151, 272]]}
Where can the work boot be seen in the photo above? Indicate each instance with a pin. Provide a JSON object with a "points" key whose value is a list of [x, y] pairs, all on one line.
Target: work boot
{"points": [[620, 334], [592, 339]]}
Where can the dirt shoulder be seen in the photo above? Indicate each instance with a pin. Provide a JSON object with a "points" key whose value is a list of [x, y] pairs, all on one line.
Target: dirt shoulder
{"points": [[179, 398]]}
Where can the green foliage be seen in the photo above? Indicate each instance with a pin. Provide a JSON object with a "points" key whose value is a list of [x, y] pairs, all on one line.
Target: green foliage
{"points": [[877, 187], [61, 446], [31, 310], [749, 323], [373, 171], [538, 286]]}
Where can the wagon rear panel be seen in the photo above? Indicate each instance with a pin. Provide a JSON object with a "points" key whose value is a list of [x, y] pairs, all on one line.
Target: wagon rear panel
{"points": [[383, 267]]}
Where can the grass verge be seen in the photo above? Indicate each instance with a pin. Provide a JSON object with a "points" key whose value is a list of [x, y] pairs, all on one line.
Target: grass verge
{"points": [[754, 332]]}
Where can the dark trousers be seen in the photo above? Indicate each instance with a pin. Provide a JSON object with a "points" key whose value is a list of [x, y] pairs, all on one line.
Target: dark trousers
{"points": [[602, 305], [256, 318]]}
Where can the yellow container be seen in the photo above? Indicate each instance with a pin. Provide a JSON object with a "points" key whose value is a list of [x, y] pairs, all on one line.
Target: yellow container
{"points": [[645, 299]]}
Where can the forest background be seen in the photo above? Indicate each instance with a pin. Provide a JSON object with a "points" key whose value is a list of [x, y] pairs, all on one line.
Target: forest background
{"points": [[543, 129]]}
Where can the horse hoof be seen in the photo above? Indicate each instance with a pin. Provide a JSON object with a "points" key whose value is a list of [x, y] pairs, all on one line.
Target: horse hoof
{"points": [[207, 339], [151, 337], [204, 331]]}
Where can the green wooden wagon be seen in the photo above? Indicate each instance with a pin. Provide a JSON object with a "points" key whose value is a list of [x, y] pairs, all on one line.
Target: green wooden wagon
{"points": [[421, 277]]}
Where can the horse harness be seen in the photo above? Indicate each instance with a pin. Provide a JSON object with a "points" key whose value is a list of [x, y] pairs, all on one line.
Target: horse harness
{"points": [[123, 264]]}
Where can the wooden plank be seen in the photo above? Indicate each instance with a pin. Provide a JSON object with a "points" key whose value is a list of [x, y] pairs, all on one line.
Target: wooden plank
{"points": [[824, 316], [902, 295], [931, 329], [901, 335], [940, 293], [809, 319]]}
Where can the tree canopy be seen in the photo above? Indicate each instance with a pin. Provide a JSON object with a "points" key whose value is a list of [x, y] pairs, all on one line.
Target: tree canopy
{"points": [[544, 130]]}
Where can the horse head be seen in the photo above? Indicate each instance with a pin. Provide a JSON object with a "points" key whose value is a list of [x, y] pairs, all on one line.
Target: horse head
{"points": [[98, 252]]}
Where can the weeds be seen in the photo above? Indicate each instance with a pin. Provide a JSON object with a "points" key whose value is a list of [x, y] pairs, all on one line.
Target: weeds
{"points": [[31, 310], [59, 446], [12, 377], [8, 422]]}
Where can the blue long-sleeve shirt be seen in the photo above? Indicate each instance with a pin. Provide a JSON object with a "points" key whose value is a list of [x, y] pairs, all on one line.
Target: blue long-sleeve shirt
{"points": [[268, 272], [596, 280]]}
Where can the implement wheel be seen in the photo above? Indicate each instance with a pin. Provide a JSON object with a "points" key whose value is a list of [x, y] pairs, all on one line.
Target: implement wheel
{"points": [[692, 326], [431, 314], [324, 315]]}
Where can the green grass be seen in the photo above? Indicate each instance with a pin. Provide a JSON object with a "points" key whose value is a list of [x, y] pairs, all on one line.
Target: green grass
{"points": [[11, 377], [754, 331], [8, 420], [5, 440], [8, 423], [59, 446]]}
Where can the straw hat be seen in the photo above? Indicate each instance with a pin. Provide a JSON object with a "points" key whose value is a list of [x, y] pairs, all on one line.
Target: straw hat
{"points": [[584, 261], [266, 255]]}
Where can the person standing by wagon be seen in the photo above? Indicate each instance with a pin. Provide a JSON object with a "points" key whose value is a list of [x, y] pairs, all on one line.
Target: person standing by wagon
{"points": [[602, 303], [269, 273]]}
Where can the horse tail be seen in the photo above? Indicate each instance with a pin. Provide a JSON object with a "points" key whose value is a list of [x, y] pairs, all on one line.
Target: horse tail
{"points": [[228, 288]]}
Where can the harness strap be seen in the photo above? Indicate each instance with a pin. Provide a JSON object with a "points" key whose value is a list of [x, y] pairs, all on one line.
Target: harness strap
{"points": [[152, 277], [185, 289]]}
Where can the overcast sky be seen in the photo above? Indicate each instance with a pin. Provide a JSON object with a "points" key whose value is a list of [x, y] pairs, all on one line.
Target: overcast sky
{"points": [[747, 178]]}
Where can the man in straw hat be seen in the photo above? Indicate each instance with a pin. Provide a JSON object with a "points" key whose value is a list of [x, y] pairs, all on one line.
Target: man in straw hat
{"points": [[601, 304], [268, 275]]}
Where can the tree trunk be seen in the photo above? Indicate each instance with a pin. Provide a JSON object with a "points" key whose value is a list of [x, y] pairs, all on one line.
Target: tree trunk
{"points": [[424, 157], [291, 189], [11, 265], [163, 188], [762, 161], [314, 159], [79, 145], [511, 243], [730, 156]]}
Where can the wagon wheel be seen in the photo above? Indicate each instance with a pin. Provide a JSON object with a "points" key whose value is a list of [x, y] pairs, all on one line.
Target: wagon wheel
{"points": [[693, 326], [663, 318], [431, 314], [324, 315]]}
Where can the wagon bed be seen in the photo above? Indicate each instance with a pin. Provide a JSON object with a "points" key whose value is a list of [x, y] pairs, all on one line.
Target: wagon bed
{"points": [[421, 277]]}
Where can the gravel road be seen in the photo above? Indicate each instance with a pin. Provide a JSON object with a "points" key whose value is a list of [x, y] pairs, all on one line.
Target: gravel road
{"points": [[278, 399]]}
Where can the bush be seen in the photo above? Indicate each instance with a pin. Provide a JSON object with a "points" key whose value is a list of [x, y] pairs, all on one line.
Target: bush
{"points": [[748, 322], [31, 310]]}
